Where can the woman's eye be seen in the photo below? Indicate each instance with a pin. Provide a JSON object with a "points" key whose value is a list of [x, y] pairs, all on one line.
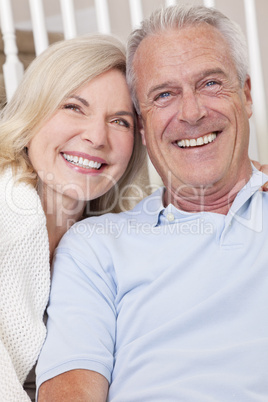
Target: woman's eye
{"points": [[71, 106], [121, 122]]}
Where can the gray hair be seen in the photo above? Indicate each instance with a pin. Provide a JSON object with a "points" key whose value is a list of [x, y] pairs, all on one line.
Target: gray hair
{"points": [[177, 17]]}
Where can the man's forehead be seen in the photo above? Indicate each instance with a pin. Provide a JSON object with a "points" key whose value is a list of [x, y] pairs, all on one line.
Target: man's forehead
{"points": [[189, 36], [175, 48]]}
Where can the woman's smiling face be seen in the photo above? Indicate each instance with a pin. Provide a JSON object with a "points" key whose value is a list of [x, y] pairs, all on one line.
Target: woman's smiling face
{"points": [[85, 147]]}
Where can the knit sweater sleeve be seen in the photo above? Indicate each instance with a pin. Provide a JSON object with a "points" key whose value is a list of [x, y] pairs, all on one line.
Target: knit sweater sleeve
{"points": [[24, 283], [11, 389]]}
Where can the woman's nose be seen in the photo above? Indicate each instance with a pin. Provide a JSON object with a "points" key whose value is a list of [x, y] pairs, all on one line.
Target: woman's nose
{"points": [[96, 132]]}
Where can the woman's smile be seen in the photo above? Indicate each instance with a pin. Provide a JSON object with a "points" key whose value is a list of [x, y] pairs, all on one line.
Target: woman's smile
{"points": [[88, 142]]}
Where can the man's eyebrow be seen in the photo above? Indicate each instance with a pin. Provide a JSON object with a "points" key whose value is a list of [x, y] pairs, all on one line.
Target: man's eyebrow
{"points": [[82, 100], [167, 84], [212, 71], [160, 87]]}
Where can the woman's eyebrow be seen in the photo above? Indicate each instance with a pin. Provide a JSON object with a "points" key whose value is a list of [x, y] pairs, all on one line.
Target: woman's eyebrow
{"points": [[82, 100], [119, 113], [124, 113]]}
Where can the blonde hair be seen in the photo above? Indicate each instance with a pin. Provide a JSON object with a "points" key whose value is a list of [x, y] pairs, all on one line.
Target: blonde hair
{"points": [[53, 76]]}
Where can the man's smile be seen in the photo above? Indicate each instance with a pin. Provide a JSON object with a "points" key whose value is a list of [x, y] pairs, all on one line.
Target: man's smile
{"points": [[196, 142]]}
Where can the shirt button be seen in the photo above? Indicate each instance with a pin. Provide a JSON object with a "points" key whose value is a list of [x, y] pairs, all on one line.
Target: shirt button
{"points": [[170, 217]]}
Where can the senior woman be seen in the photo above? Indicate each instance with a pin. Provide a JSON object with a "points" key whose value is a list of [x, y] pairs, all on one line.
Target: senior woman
{"points": [[69, 148]]}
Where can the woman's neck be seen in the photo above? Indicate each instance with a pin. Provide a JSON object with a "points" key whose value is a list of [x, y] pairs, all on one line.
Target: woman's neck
{"points": [[61, 213]]}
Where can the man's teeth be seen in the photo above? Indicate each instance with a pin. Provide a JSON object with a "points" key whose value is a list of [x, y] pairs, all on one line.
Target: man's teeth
{"points": [[81, 162], [198, 141]]}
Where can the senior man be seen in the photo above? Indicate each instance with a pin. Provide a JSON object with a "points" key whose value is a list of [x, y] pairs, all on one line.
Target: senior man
{"points": [[176, 307]]}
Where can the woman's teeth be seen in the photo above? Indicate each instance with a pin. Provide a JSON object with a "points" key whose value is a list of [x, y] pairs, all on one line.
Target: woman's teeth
{"points": [[198, 141], [81, 162]]}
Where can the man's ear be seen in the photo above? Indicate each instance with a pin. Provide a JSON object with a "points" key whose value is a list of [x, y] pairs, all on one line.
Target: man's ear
{"points": [[248, 98], [141, 129]]}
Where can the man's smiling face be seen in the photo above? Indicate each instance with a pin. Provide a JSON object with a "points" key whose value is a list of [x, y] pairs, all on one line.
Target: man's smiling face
{"points": [[194, 111]]}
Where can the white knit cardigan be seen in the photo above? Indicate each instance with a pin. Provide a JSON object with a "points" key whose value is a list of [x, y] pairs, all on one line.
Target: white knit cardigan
{"points": [[24, 284]]}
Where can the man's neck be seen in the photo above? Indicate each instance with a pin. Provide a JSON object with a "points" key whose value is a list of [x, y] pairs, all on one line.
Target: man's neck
{"points": [[204, 199]]}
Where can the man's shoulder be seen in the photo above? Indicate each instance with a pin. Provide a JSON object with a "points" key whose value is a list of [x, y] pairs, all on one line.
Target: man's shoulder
{"points": [[145, 207]]}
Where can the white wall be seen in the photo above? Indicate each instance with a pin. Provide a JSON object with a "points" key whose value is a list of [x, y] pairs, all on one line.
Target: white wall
{"points": [[121, 24]]}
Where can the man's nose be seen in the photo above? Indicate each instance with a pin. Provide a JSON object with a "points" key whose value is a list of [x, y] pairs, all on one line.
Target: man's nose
{"points": [[191, 109]]}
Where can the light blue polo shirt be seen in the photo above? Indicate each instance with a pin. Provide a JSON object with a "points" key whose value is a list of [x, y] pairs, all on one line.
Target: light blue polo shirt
{"points": [[167, 305]]}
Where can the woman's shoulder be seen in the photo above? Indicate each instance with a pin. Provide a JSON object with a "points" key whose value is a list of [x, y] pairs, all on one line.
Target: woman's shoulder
{"points": [[20, 206]]}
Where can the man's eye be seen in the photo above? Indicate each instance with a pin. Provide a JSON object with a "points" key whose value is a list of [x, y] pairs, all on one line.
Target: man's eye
{"points": [[211, 83], [72, 106], [164, 95], [161, 99]]}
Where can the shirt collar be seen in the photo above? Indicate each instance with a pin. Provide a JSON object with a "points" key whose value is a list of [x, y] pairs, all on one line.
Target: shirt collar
{"points": [[252, 186], [153, 205]]}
